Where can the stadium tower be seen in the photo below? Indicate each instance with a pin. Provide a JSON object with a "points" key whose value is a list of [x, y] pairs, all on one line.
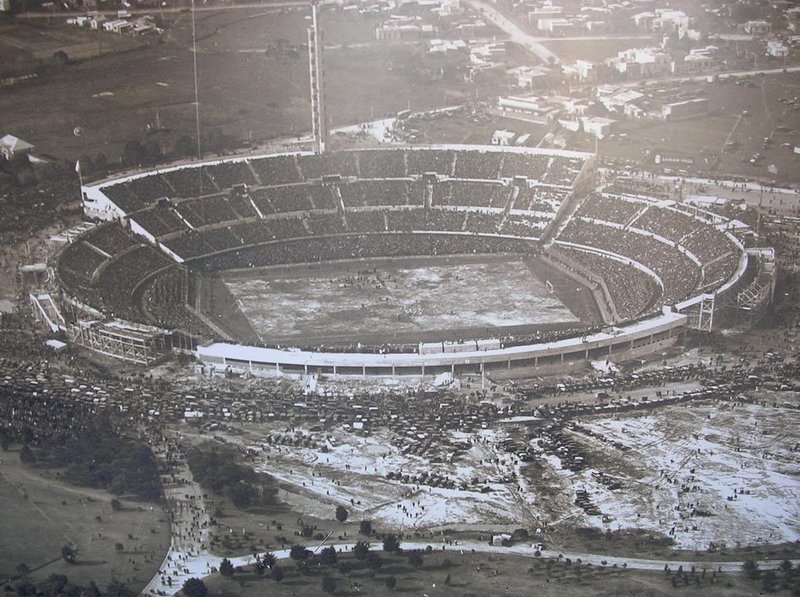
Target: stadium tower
{"points": [[318, 125]]}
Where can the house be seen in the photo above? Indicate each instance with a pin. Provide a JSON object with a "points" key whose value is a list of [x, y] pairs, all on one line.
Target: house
{"points": [[116, 25], [582, 70], [684, 109], [530, 108], [11, 146], [646, 62], [597, 126], [757, 27], [529, 77], [502, 137]]}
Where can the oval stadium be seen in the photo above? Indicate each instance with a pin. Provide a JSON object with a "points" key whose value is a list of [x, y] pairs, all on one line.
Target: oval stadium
{"points": [[405, 261]]}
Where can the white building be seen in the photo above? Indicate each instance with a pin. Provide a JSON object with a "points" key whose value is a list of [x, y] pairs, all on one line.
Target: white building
{"points": [[582, 70], [11, 146]]}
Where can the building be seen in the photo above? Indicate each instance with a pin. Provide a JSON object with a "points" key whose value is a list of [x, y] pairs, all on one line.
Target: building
{"points": [[696, 61], [529, 108], [644, 62], [597, 126], [758, 27], [11, 147], [582, 70], [529, 77], [684, 109], [503, 137]]}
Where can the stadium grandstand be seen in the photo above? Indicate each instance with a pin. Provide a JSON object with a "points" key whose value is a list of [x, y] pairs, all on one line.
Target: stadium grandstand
{"points": [[653, 267]]}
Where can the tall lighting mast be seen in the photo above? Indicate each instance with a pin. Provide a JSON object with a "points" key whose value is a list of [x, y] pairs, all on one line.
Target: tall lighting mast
{"points": [[318, 125]]}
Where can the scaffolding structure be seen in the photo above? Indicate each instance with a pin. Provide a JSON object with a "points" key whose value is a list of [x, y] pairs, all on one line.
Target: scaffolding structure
{"points": [[139, 344]]}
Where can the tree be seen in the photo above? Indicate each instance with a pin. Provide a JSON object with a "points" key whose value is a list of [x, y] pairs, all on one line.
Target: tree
{"points": [[54, 584], [269, 559], [70, 553], [226, 568], [277, 573], [374, 560], [194, 587], [118, 589], [328, 584], [769, 581], [391, 582], [328, 556], [751, 570], [341, 513], [360, 550], [365, 527], [26, 456], [134, 154], [415, 559], [391, 543], [299, 553], [116, 505]]}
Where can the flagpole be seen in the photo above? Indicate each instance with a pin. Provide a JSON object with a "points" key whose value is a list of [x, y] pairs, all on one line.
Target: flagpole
{"points": [[80, 178]]}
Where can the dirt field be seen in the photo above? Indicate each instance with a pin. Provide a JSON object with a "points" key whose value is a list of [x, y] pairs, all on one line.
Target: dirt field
{"points": [[675, 469], [708, 472], [41, 514], [704, 138], [595, 50], [395, 298]]}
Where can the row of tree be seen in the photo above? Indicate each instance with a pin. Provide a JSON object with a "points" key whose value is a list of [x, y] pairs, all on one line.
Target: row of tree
{"points": [[216, 470]]}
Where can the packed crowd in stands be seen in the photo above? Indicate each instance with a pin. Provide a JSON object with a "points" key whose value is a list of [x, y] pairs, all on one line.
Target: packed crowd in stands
{"points": [[470, 194], [163, 299], [316, 249], [718, 255], [368, 192], [279, 210], [540, 199], [639, 187], [555, 171], [632, 291], [610, 209], [679, 274], [669, 223]]}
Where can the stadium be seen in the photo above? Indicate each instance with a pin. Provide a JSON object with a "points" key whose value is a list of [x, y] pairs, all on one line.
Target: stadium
{"points": [[434, 259]]}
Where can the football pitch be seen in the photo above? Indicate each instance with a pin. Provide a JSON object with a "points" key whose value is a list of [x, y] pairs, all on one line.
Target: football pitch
{"points": [[404, 300]]}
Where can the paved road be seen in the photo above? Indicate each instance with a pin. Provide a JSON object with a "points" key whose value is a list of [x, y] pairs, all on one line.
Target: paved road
{"points": [[517, 35], [203, 565]]}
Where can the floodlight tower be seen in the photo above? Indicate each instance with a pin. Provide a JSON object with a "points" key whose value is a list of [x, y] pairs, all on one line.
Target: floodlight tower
{"points": [[318, 125]]}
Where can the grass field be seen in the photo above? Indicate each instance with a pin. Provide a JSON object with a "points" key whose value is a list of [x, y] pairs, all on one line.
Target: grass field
{"points": [[395, 298], [41, 514], [459, 575], [252, 84]]}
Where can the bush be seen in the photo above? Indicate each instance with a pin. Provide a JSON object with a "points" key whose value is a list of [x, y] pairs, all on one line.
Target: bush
{"points": [[328, 584], [194, 587], [226, 568], [391, 544]]}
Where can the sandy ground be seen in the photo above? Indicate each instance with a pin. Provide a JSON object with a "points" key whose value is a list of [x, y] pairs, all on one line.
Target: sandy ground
{"points": [[392, 297]]}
